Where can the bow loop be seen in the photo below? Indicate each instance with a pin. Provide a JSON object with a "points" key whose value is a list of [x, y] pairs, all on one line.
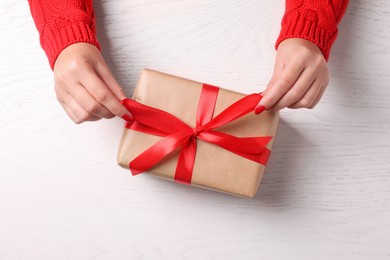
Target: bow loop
{"points": [[155, 119], [238, 109]]}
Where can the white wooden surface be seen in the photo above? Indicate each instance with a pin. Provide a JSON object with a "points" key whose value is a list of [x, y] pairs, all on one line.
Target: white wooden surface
{"points": [[326, 194]]}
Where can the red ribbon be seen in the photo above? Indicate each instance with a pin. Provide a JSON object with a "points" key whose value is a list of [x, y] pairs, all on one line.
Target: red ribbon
{"points": [[178, 135]]}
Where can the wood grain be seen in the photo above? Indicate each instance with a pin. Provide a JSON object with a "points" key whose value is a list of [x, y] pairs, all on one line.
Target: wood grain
{"points": [[326, 192]]}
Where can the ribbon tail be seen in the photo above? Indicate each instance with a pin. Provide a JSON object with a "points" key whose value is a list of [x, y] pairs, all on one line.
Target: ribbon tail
{"points": [[157, 152], [137, 126], [252, 148], [152, 119]]}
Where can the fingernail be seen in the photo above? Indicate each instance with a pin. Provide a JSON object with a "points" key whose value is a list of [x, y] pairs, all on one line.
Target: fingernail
{"points": [[259, 109], [123, 100], [128, 117]]}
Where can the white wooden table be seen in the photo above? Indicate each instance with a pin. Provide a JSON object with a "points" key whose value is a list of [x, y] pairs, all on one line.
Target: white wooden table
{"points": [[326, 193]]}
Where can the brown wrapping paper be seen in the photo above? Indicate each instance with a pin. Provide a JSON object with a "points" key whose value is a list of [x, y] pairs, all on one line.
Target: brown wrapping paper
{"points": [[215, 168]]}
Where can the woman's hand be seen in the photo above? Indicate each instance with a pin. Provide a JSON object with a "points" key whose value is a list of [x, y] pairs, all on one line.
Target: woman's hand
{"points": [[84, 85], [300, 77]]}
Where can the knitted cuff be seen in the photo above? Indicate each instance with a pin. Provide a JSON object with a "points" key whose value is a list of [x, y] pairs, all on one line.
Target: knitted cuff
{"points": [[296, 25], [57, 40]]}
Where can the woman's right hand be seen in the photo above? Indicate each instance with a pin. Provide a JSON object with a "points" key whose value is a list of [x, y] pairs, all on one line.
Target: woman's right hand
{"points": [[85, 86]]}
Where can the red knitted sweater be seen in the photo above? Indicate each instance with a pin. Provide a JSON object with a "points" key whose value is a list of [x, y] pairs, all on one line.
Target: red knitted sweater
{"points": [[62, 23]]}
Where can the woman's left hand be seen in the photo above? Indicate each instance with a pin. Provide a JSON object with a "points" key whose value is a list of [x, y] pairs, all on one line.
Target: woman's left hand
{"points": [[300, 77]]}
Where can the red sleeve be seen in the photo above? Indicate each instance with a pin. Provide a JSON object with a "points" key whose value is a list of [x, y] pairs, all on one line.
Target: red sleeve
{"points": [[313, 20], [61, 23]]}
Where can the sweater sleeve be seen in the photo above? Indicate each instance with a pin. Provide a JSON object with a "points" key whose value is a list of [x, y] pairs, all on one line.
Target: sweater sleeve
{"points": [[62, 23], [313, 20]]}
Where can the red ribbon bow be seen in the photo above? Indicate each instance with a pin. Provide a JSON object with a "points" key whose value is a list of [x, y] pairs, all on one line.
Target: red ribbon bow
{"points": [[178, 135]]}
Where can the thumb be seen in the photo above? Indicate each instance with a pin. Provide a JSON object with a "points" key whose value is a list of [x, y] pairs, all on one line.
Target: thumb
{"points": [[275, 75], [107, 77]]}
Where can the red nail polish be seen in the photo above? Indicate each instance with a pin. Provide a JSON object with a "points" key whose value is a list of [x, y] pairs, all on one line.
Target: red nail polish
{"points": [[259, 109], [128, 118]]}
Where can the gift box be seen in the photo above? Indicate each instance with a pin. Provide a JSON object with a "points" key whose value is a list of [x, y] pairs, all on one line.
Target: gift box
{"points": [[196, 134]]}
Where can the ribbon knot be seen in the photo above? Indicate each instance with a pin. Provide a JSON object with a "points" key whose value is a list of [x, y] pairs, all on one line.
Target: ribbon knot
{"points": [[196, 131], [179, 136]]}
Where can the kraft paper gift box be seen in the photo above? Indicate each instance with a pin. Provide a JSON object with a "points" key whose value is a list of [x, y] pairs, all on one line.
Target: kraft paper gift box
{"points": [[214, 167]]}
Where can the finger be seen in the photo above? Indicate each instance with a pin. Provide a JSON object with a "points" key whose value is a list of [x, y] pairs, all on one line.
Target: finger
{"points": [[325, 83], [62, 95], [76, 112], [105, 74], [319, 96], [279, 86], [88, 103], [278, 68], [102, 94], [68, 111], [307, 100], [297, 91]]}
